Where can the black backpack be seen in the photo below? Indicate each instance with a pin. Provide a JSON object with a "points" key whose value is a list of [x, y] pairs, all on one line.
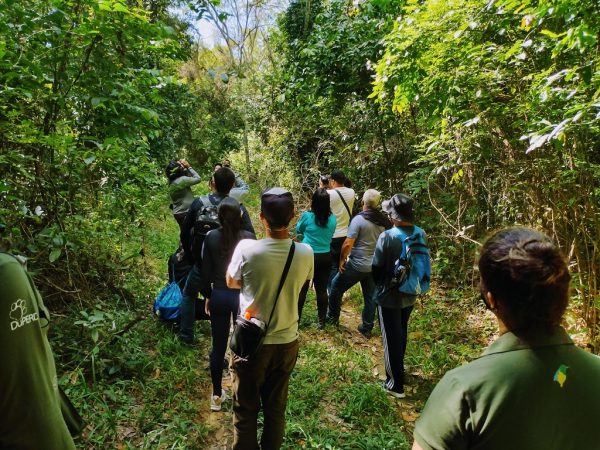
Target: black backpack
{"points": [[207, 219], [402, 267]]}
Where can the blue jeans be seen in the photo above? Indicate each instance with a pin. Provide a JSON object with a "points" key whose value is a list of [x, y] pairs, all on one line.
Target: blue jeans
{"points": [[344, 281], [188, 304], [336, 251]]}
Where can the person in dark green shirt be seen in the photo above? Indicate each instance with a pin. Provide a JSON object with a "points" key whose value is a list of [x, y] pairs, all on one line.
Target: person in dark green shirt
{"points": [[532, 389], [29, 397]]}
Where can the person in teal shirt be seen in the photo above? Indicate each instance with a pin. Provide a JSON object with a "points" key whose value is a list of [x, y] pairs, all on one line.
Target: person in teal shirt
{"points": [[317, 227], [29, 395], [532, 389]]}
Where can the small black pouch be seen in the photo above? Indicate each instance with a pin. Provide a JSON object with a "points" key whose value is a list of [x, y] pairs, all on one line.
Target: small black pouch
{"points": [[247, 338]]}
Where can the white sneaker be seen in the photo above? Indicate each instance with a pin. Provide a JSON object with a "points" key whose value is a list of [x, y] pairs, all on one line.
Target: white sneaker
{"points": [[216, 401], [395, 393]]}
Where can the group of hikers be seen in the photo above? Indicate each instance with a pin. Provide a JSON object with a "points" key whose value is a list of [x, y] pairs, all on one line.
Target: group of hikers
{"points": [[531, 389], [524, 282], [332, 248]]}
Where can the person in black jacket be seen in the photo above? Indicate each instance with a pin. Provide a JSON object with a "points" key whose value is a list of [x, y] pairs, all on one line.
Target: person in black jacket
{"points": [[222, 303], [221, 183]]}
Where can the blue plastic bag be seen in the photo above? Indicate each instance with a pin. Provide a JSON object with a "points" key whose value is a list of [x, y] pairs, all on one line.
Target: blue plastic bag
{"points": [[168, 302]]}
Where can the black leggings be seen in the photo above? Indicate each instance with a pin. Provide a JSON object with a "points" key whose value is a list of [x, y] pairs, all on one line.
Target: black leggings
{"points": [[224, 305], [321, 275]]}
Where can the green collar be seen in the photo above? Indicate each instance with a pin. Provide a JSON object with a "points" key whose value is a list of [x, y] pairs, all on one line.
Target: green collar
{"points": [[509, 342]]}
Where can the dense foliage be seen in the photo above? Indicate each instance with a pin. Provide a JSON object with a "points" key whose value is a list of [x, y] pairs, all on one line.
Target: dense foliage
{"points": [[486, 112], [92, 107]]}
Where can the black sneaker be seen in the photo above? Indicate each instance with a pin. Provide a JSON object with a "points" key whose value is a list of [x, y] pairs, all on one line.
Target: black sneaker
{"points": [[188, 342], [331, 321], [393, 393], [366, 333]]}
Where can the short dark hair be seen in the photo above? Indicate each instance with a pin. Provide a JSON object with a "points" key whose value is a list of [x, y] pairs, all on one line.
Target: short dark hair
{"points": [[528, 277], [338, 176], [224, 180]]}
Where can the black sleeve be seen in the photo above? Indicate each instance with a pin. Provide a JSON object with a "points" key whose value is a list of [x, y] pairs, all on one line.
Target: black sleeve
{"points": [[246, 219], [208, 264], [186, 228], [378, 268], [378, 274]]}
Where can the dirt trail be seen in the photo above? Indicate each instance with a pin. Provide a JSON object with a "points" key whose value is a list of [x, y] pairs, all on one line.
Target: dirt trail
{"points": [[221, 438]]}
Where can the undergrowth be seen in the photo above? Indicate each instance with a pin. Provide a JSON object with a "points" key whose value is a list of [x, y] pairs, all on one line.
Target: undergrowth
{"points": [[137, 387]]}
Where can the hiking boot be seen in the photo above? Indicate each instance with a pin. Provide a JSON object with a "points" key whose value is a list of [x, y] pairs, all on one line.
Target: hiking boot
{"points": [[216, 401]]}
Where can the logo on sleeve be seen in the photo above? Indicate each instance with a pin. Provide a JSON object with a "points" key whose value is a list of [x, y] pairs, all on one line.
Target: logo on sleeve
{"points": [[560, 376], [18, 315]]}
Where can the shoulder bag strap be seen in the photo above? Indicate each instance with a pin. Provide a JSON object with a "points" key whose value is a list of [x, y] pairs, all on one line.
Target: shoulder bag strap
{"points": [[286, 269], [345, 204]]}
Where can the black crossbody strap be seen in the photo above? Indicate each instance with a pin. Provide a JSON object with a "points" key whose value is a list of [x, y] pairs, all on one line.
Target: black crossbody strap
{"points": [[286, 269], [345, 204]]}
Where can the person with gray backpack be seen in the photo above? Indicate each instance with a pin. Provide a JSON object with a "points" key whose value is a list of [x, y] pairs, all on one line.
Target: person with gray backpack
{"points": [[202, 217], [401, 270]]}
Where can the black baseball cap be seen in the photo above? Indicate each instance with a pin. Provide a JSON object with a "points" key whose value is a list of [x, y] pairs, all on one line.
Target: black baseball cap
{"points": [[277, 206]]}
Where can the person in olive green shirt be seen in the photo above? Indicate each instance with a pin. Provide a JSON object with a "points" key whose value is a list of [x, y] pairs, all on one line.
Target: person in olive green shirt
{"points": [[532, 389], [29, 396]]}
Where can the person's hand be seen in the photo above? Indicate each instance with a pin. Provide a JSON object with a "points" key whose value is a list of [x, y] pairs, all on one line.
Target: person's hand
{"points": [[184, 163], [207, 307], [342, 266]]}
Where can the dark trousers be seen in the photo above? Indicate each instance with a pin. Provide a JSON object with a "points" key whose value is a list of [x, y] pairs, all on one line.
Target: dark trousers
{"points": [[224, 305], [336, 252], [262, 381], [188, 304], [321, 275], [394, 332], [180, 218]]}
